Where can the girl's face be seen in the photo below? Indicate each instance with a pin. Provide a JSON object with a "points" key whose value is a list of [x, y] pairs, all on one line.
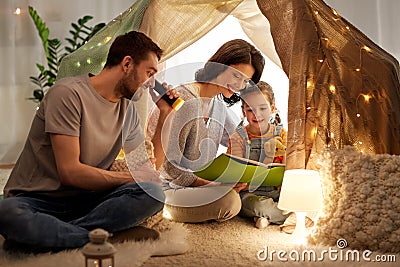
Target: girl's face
{"points": [[234, 78], [257, 111]]}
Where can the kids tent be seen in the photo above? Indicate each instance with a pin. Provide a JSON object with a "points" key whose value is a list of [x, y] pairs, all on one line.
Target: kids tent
{"points": [[343, 88]]}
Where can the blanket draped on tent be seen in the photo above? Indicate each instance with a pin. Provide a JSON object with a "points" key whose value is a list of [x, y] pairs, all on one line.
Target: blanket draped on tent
{"points": [[343, 88]]}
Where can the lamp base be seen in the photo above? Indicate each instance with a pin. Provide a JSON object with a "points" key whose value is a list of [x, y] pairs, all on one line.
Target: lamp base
{"points": [[300, 231]]}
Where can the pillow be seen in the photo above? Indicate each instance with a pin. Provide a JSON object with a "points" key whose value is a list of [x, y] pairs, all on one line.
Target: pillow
{"points": [[361, 201]]}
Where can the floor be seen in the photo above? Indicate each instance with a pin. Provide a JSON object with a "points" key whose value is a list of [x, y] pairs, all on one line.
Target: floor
{"points": [[4, 173]]}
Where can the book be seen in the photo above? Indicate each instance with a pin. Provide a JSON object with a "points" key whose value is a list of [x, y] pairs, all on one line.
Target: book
{"points": [[232, 169]]}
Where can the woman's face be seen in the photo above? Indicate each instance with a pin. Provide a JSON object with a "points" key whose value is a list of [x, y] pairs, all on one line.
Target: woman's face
{"points": [[234, 78]]}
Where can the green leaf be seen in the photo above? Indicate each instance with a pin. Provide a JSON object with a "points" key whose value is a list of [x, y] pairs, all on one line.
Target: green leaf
{"points": [[38, 94]]}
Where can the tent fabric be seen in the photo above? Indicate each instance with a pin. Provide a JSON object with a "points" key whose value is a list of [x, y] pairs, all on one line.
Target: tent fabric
{"points": [[91, 57], [256, 26], [175, 25], [343, 88], [172, 24]]}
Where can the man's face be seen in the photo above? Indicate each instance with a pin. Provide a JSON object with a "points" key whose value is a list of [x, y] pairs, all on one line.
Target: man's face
{"points": [[138, 74]]}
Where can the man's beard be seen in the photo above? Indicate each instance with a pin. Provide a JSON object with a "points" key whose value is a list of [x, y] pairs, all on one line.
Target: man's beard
{"points": [[126, 92]]}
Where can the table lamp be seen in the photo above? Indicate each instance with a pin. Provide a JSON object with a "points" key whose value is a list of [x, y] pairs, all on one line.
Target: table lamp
{"points": [[301, 192]]}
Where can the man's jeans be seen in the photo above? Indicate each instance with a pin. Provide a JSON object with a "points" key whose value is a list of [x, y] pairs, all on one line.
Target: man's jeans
{"points": [[65, 222]]}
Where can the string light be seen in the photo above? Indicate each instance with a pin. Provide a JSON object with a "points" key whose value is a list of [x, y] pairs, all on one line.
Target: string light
{"points": [[314, 131], [332, 88], [366, 48], [310, 84], [17, 11], [107, 39], [367, 97]]}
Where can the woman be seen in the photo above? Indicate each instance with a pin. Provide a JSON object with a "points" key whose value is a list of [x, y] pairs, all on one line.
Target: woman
{"points": [[199, 127]]}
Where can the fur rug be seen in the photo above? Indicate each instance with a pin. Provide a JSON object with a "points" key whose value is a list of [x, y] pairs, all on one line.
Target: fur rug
{"points": [[129, 254], [362, 200]]}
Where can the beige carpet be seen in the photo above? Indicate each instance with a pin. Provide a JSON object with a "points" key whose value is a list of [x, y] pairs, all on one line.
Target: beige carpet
{"points": [[233, 243], [129, 254], [4, 173]]}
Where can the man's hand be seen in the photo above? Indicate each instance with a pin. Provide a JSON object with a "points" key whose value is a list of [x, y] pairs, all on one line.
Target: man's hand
{"points": [[161, 103]]}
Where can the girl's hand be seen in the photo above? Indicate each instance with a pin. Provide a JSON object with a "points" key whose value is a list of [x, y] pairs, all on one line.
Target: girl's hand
{"points": [[240, 186]]}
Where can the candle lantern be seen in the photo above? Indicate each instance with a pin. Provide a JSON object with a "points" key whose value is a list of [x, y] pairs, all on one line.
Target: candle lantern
{"points": [[98, 252]]}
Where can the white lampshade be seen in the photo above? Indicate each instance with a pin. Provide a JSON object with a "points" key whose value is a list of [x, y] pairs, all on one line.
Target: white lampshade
{"points": [[301, 191]]}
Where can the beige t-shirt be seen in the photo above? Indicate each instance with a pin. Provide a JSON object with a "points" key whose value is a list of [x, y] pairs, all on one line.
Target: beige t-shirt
{"points": [[73, 107]]}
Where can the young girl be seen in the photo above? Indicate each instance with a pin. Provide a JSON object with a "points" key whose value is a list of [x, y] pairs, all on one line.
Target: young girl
{"points": [[263, 140]]}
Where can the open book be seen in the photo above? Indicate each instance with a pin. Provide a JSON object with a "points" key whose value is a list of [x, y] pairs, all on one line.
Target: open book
{"points": [[231, 169]]}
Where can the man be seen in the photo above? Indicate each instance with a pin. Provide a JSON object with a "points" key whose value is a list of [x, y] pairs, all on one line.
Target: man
{"points": [[61, 188]]}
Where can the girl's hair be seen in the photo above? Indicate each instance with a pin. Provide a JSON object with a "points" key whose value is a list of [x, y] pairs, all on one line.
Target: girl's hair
{"points": [[261, 88], [233, 52], [134, 44], [267, 90], [264, 89]]}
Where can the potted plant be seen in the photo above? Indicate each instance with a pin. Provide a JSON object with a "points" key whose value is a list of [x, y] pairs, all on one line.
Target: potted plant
{"points": [[55, 51]]}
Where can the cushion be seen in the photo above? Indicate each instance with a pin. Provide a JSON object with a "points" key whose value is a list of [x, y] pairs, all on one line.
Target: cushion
{"points": [[361, 201]]}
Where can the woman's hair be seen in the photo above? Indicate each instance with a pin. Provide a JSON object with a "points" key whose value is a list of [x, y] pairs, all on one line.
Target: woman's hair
{"points": [[233, 52], [134, 44]]}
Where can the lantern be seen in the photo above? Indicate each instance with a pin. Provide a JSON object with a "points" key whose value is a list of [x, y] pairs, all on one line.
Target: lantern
{"points": [[98, 252]]}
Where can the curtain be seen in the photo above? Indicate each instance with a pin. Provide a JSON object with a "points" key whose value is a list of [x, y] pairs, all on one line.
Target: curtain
{"points": [[343, 88], [21, 49]]}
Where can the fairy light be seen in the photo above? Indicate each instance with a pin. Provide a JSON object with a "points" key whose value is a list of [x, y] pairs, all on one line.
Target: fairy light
{"points": [[107, 39], [366, 48], [332, 88], [367, 97], [310, 84], [17, 11], [314, 131]]}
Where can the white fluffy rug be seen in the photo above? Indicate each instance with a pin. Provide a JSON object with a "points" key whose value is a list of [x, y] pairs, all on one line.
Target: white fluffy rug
{"points": [[129, 254]]}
